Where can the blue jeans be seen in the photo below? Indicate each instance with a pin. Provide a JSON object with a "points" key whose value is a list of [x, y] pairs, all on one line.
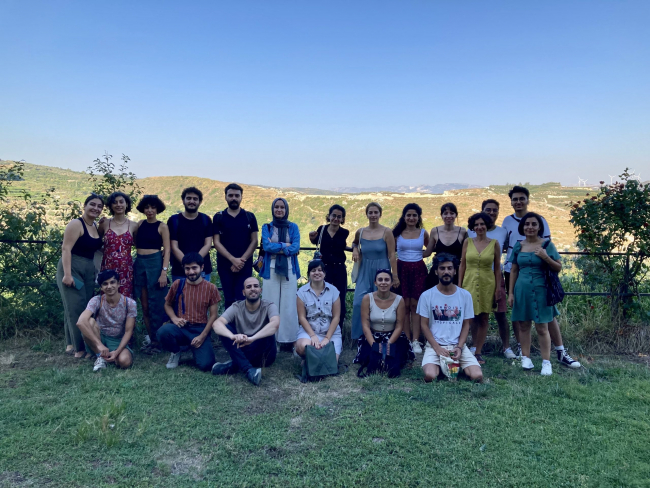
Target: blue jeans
{"points": [[172, 337], [260, 353]]}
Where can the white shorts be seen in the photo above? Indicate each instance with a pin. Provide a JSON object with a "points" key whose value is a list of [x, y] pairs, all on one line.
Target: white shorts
{"points": [[466, 357], [336, 338]]}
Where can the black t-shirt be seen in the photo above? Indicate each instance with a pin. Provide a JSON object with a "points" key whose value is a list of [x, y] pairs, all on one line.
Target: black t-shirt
{"points": [[190, 235], [333, 248], [234, 232]]}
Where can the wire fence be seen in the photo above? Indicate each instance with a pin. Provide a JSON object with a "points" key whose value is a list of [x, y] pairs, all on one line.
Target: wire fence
{"points": [[351, 290]]}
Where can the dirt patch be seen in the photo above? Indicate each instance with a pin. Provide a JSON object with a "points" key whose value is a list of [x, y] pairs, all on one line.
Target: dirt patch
{"points": [[186, 461]]}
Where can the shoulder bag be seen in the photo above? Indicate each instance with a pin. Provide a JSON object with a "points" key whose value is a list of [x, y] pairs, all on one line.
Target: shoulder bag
{"points": [[355, 266], [317, 254], [554, 290], [319, 363]]}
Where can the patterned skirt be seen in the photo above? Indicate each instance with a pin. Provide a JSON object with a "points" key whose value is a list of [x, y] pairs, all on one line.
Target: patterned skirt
{"points": [[412, 278]]}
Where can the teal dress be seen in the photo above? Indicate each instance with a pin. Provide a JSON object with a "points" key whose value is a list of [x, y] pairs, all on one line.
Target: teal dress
{"points": [[530, 287], [374, 256]]}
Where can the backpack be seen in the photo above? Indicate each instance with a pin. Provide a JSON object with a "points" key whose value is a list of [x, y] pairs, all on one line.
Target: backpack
{"points": [[219, 216], [174, 222], [177, 297]]}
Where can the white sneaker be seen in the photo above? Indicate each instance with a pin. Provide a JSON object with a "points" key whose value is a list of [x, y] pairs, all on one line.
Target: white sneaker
{"points": [[472, 350], [173, 360], [526, 363], [100, 363], [146, 341], [547, 369], [509, 354], [417, 348]]}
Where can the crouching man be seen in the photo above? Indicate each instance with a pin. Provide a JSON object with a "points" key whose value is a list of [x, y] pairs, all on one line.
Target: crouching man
{"points": [[445, 313], [247, 331], [107, 323], [187, 304]]}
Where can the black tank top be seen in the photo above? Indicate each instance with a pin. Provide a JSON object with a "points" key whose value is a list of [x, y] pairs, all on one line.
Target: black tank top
{"points": [[455, 249], [148, 236], [86, 245]]}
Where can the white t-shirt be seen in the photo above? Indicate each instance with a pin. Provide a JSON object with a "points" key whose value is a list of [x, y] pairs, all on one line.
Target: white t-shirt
{"points": [[446, 313], [511, 225], [498, 233]]}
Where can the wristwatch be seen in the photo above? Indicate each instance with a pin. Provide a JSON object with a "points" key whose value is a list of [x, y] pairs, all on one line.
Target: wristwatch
{"points": [[165, 268]]}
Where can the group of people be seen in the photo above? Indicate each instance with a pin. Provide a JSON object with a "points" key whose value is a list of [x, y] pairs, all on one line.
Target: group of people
{"points": [[397, 302]]}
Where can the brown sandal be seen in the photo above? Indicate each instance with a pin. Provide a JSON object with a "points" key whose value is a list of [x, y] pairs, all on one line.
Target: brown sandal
{"points": [[479, 358]]}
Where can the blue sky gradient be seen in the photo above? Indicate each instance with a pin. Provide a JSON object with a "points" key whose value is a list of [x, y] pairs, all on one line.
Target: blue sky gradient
{"points": [[326, 94]]}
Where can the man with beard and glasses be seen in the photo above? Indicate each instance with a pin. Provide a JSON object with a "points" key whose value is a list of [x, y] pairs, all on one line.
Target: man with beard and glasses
{"points": [[235, 239], [446, 334], [190, 231], [247, 329], [519, 199], [191, 304]]}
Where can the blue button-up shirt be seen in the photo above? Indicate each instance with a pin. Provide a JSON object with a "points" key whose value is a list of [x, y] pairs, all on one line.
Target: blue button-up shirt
{"points": [[318, 307]]}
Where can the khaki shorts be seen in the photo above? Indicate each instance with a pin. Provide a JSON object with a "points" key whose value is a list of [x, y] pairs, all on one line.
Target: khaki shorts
{"points": [[466, 357]]}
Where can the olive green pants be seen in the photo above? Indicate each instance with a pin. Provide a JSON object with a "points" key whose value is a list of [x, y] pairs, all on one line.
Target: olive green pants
{"points": [[75, 301]]}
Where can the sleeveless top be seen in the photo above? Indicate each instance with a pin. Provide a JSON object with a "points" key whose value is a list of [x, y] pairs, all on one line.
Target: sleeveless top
{"points": [[86, 245], [383, 320], [410, 250], [455, 249], [148, 236]]}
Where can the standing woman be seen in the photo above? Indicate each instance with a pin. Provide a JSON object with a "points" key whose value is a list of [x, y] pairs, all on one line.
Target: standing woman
{"points": [[373, 248], [333, 244], [118, 233], [75, 273], [150, 267], [411, 239], [382, 315], [527, 295], [447, 238], [480, 274], [280, 270]]}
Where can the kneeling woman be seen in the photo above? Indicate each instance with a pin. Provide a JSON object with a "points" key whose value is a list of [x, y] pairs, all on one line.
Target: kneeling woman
{"points": [[382, 319], [319, 308]]}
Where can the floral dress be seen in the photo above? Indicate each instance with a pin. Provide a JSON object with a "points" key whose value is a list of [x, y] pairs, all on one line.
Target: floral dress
{"points": [[117, 256]]}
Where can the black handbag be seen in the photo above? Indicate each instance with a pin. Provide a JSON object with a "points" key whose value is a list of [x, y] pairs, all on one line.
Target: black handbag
{"points": [[554, 290], [319, 363]]}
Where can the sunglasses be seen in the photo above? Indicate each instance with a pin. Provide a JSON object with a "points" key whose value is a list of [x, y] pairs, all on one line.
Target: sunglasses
{"points": [[150, 196]]}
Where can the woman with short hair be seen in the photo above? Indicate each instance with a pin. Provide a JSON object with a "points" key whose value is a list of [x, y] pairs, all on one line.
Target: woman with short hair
{"points": [[528, 289], [118, 233], [153, 250], [480, 275], [382, 315], [319, 306], [280, 270], [411, 239], [75, 272], [447, 238], [333, 243], [373, 248]]}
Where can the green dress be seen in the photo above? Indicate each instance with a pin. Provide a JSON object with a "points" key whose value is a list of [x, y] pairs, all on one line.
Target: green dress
{"points": [[479, 276], [530, 288]]}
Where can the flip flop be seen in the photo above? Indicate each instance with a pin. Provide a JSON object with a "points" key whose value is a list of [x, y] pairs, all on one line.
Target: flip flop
{"points": [[479, 358]]}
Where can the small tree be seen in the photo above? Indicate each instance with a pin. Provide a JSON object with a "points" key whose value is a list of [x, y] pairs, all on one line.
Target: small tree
{"points": [[616, 219], [105, 181]]}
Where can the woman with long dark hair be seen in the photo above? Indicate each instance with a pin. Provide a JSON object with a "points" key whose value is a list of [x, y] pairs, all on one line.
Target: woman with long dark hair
{"points": [[75, 273], [153, 249], [527, 295], [410, 240], [280, 271], [447, 238], [118, 233], [333, 243]]}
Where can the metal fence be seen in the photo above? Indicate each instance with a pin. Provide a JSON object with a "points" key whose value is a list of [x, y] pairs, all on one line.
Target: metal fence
{"points": [[350, 290]]}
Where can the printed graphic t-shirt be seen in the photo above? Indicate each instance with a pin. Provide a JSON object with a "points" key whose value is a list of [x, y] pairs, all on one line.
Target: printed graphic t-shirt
{"points": [[112, 320], [446, 313]]}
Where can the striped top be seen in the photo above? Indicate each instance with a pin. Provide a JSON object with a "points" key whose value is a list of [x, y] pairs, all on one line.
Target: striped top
{"points": [[197, 299]]}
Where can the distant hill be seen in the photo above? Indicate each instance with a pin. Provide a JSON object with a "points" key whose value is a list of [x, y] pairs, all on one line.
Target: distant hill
{"points": [[309, 206], [431, 189]]}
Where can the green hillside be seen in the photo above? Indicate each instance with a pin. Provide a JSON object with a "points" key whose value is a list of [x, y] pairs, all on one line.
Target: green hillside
{"points": [[308, 207]]}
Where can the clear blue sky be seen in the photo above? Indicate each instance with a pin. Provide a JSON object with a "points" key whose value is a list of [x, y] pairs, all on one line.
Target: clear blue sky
{"points": [[329, 93]]}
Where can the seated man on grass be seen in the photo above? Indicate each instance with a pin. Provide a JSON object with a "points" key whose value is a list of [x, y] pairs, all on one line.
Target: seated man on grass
{"points": [[191, 304], [446, 332], [107, 323], [247, 331]]}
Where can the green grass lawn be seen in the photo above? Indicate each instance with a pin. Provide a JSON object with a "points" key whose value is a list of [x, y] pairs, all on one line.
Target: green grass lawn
{"points": [[63, 425]]}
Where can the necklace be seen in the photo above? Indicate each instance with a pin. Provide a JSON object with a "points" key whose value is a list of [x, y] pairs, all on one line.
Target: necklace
{"points": [[120, 223]]}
